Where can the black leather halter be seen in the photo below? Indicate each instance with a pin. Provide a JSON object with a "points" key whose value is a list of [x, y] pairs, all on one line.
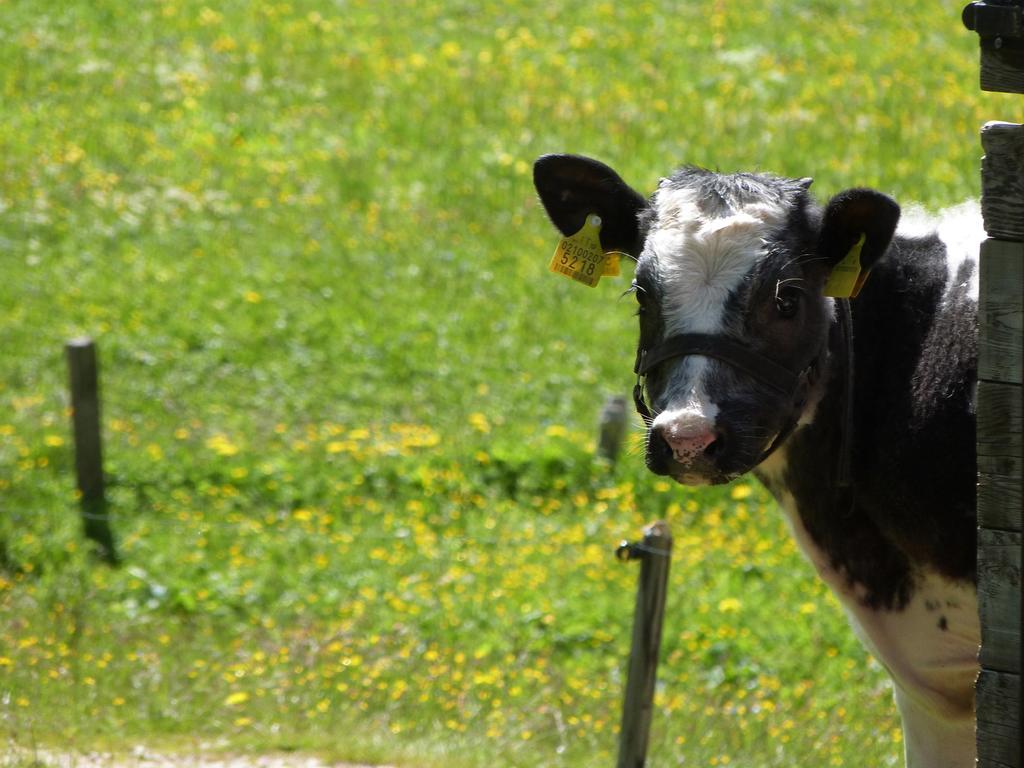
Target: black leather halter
{"points": [[737, 354], [794, 385]]}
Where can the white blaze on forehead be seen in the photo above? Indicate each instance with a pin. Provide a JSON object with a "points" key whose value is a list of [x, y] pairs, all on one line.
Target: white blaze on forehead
{"points": [[702, 259], [960, 229]]}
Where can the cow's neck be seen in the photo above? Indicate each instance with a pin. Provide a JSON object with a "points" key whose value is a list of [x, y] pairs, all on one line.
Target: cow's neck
{"points": [[810, 478]]}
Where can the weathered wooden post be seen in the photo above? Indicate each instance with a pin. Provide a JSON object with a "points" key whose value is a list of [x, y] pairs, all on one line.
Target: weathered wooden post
{"points": [[654, 553], [612, 428], [85, 417], [1000, 405]]}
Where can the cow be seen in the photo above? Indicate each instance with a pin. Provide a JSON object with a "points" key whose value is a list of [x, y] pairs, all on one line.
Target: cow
{"points": [[857, 414]]}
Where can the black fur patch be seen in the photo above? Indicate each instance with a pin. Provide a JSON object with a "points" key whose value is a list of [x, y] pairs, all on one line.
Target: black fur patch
{"points": [[912, 504]]}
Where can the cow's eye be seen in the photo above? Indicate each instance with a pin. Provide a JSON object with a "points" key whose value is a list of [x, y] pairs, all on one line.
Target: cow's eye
{"points": [[641, 299], [787, 303]]}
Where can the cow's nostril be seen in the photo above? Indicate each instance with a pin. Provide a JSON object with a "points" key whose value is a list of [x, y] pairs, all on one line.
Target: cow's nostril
{"points": [[714, 448]]}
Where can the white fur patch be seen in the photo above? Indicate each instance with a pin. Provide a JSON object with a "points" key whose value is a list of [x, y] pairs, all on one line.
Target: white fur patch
{"points": [[703, 259], [929, 648], [960, 228]]}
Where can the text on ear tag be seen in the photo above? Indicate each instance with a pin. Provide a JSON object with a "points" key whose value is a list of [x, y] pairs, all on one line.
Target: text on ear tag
{"points": [[581, 257], [847, 277]]}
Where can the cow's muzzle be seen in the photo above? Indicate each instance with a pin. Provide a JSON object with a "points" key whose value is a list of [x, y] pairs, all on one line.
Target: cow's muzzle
{"points": [[793, 386]]}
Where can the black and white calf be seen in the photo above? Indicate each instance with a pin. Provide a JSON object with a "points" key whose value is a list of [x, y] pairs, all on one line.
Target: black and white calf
{"points": [[858, 416]]}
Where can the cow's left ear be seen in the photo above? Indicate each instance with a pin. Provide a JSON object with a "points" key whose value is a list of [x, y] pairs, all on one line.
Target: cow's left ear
{"points": [[853, 213]]}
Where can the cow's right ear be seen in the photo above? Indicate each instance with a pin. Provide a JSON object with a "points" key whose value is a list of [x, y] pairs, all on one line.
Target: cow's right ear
{"points": [[571, 187]]}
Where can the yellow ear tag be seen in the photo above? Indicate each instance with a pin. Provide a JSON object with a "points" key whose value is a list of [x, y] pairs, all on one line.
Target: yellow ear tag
{"points": [[581, 257], [847, 277]]}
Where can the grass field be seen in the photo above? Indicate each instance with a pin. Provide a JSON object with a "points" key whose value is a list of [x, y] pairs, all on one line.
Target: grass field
{"points": [[349, 415]]}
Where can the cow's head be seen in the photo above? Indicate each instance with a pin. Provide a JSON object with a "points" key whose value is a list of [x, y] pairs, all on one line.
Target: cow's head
{"points": [[740, 257]]}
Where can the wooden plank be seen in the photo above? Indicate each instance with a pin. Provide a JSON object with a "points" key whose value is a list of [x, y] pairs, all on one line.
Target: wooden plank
{"points": [[1002, 180], [1000, 455], [1002, 70], [1000, 500], [1000, 26], [1001, 312], [654, 552], [999, 603], [997, 696]]}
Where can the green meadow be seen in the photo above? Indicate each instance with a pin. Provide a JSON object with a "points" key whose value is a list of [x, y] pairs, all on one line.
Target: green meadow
{"points": [[349, 416]]}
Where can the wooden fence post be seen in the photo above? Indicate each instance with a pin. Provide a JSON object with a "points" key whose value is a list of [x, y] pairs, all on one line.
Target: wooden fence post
{"points": [[654, 553], [612, 428], [85, 417], [1000, 403]]}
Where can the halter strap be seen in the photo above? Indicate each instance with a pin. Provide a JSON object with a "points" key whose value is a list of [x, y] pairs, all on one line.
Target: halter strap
{"points": [[722, 348]]}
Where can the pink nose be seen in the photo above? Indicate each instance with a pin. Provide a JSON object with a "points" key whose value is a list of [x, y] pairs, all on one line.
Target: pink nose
{"points": [[687, 443]]}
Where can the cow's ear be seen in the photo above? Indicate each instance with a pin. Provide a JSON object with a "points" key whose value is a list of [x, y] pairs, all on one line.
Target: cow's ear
{"points": [[851, 214], [571, 187]]}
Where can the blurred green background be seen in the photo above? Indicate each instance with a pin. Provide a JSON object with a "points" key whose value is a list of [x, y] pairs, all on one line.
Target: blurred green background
{"points": [[350, 416]]}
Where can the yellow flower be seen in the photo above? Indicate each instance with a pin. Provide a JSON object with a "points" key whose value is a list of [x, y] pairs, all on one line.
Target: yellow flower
{"points": [[741, 492], [54, 441], [240, 697], [221, 445], [729, 605], [209, 17], [224, 44], [479, 422]]}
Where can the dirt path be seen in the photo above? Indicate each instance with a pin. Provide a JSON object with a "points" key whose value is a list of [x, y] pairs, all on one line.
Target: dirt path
{"points": [[140, 757]]}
